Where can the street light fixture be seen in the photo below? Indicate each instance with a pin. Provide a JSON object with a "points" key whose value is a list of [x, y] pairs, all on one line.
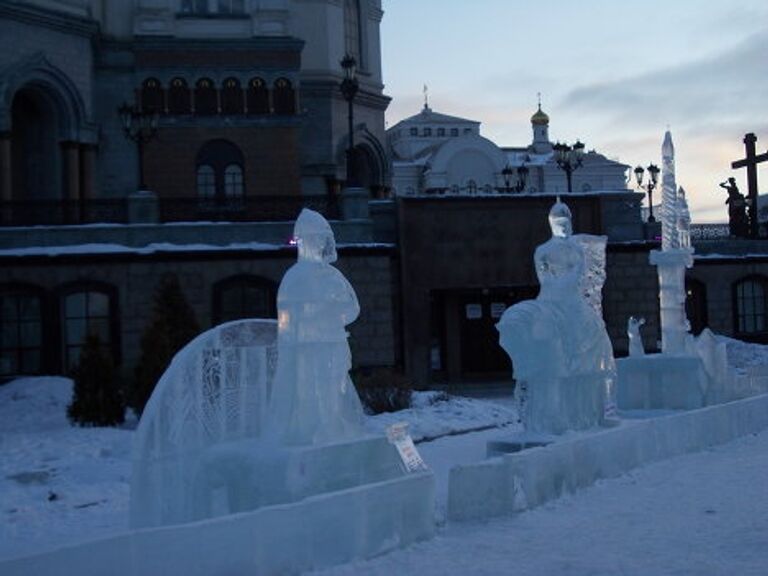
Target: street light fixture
{"points": [[522, 175], [141, 127], [653, 172], [569, 159], [349, 89]]}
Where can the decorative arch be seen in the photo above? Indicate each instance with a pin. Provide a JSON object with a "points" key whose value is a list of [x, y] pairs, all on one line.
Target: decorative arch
{"points": [[284, 97], [220, 169], [482, 162], [38, 74], [368, 149]]}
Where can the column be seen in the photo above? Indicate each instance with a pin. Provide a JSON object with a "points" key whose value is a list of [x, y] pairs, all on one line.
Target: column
{"points": [[87, 170], [70, 155], [6, 190]]}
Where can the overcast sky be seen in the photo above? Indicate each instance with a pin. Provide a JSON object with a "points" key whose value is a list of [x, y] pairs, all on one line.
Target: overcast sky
{"points": [[613, 73]]}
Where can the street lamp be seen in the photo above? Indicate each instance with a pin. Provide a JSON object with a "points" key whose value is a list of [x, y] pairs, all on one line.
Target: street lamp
{"points": [[653, 171], [349, 88], [141, 127], [569, 159], [522, 175]]}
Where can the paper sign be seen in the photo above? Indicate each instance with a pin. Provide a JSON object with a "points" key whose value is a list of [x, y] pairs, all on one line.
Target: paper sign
{"points": [[397, 434], [474, 311], [497, 309]]}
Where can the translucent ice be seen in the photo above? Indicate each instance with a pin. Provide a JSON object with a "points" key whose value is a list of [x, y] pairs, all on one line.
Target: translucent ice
{"points": [[558, 344]]}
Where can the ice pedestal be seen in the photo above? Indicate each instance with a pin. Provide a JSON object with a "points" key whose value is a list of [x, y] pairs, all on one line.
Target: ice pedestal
{"points": [[567, 403], [659, 381]]}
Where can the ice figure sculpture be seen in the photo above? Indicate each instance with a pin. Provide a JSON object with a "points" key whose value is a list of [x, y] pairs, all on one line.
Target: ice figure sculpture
{"points": [[314, 399], [635, 339], [215, 391], [558, 344]]}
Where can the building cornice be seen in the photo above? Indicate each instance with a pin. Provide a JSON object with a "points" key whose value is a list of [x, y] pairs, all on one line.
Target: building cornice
{"points": [[58, 21]]}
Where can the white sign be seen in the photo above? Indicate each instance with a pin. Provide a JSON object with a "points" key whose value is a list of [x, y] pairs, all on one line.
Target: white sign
{"points": [[397, 434], [474, 311], [497, 309]]}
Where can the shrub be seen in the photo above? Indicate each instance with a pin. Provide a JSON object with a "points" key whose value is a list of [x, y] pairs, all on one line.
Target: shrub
{"points": [[97, 398], [382, 389], [172, 325]]}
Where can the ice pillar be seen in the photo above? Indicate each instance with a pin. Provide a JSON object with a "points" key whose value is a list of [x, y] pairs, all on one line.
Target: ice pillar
{"points": [[671, 261]]}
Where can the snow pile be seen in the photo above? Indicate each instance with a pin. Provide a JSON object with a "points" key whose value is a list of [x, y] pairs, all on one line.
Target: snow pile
{"points": [[435, 414], [744, 356]]}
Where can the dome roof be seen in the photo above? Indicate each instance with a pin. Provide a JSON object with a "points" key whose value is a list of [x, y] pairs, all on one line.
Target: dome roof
{"points": [[539, 117]]}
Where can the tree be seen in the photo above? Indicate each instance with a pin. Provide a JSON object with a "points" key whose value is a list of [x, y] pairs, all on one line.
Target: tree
{"points": [[172, 325], [97, 399]]}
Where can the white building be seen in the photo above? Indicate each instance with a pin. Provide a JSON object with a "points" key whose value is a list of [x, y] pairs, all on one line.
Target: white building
{"points": [[434, 153]]}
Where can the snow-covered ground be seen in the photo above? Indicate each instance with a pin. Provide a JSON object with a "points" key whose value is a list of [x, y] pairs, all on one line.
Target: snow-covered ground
{"points": [[705, 513]]}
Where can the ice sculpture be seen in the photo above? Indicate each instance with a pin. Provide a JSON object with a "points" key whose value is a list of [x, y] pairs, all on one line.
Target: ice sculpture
{"points": [[683, 220], [558, 343], [633, 333], [314, 400]]}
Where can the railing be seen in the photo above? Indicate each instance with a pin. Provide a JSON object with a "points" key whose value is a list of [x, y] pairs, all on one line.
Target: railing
{"points": [[115, 211], [704, 232], [249, 209]]}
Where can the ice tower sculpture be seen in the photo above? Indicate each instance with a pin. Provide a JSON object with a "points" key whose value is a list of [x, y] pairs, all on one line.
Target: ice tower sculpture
{"points": [[313, 398], [561, 353]]}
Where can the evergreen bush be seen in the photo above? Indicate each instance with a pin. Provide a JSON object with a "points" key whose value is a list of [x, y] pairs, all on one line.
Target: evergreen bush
{"points": [[97, 398]]}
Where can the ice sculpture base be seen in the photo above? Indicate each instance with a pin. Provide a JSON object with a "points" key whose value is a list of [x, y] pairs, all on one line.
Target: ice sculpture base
{"points": [[247, 475], [660, 381], [517, 443], [570, 403]]}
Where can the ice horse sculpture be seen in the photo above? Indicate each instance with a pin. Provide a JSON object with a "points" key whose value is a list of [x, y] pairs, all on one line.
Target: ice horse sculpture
{"points": [[561, 353], [231, 402]]}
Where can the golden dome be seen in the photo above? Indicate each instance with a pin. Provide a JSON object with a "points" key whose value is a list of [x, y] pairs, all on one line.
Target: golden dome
{"points": [[539, 117]]}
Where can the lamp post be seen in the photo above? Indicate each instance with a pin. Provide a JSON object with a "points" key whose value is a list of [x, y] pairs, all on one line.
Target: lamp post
{"points": [[141, 127], [349, 89], [653, 172], [522, 175], [569, 159]]}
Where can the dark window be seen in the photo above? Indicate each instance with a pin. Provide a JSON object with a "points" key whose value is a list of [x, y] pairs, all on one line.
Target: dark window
{"points": [[751, 305], [205, 7], [179, 97], [205, 97], [285, 100], [441, 131], [427, 131], [454, 131], [230, 6], [232, 97], [21, 333], [472, 187], [194, 6], [220, 166], [467, 130], [258, 97], [152, 95], [414, 131], [244, 297], [87, 312]]}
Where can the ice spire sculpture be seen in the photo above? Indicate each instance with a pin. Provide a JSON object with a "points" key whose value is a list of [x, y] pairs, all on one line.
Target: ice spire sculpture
{"points": [[669, 234], [673, 258], [683, 219]]}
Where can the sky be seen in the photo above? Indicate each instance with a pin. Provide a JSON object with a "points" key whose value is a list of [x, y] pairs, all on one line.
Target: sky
{"points": [[613, 74]]}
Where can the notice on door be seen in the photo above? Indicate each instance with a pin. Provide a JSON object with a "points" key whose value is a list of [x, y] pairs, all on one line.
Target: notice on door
{"points": [[474, 311], [497, 309]]}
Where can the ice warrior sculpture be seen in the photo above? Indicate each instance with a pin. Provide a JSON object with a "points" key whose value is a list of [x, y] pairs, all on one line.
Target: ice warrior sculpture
{"points": [[558, 344], [313, 398]]}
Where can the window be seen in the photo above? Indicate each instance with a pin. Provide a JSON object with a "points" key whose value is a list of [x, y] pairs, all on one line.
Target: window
{"points": [[244, 296], [751, 305], [21, 332], [454, 131], [86, 312], [258, 97], [230, 6], [414, 131], [352, 36], [285, 100], [209, 7], [427, 131], [231, 97], [179, 97], [467, 130], [220, 177], [472, 187], [205, 97], [696, 304], [206, 181], [441, 131], [152, 95]]}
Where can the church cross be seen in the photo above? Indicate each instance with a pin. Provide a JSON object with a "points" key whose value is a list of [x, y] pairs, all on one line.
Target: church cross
{"points": [[750, 163]]}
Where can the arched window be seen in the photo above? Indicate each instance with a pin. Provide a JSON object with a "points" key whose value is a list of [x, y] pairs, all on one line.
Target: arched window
{"points": [[205, 7], [88, 309], [206, 181], [152, 95], [751, 305], [205, 97], [285, 100], [220, 172], [179, 97], [352, 30], [244, 296], [21, 331], [258, 97], [231, 97], [472, 187]]}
